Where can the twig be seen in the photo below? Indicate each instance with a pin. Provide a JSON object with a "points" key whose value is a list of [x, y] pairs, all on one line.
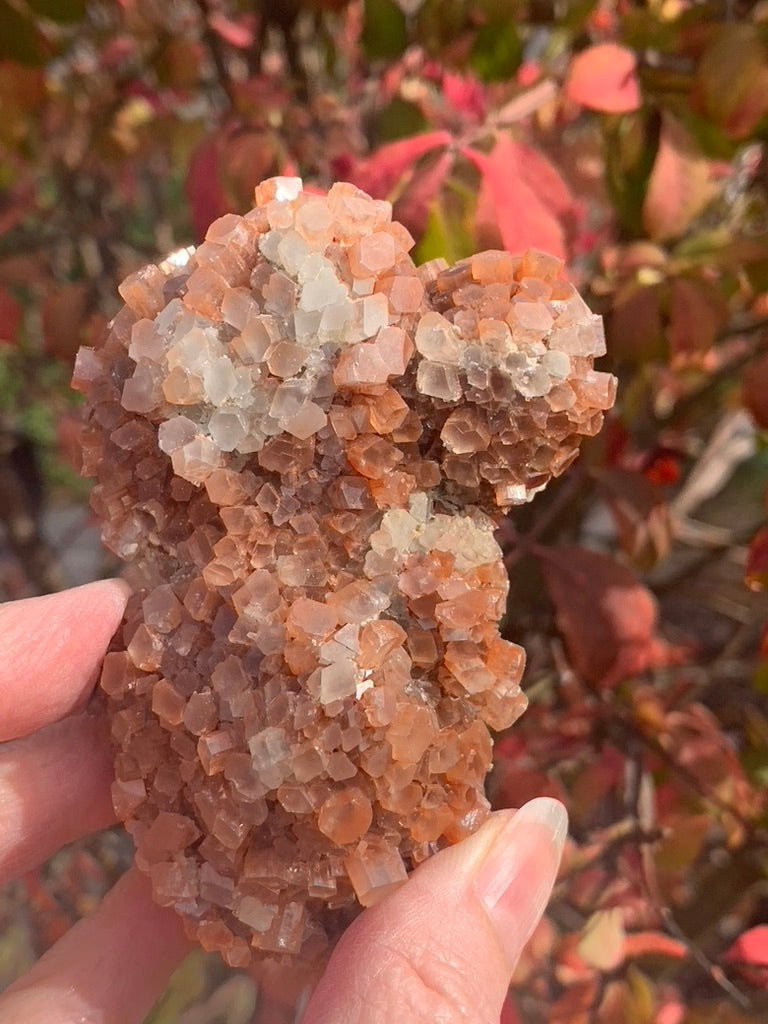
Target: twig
{"points": [[216, 51], [711, 969], [713, 382], [21, 524]]}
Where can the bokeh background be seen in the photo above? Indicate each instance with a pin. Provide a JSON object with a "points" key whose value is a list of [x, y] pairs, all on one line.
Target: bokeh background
{"points": [[629, 138]]}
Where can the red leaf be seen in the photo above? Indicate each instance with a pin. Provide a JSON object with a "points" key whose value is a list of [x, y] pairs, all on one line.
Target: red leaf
{"points": [[412, 208], [732, 78], [117, 50], [756, 569], [465, 94], [679, 185], [751, 947], [670, 1012], [522, 198], [751, 951], [514, 784], [545, 180], [224, 170], [68, 446], [640, 515], [10, 317], [509, 1014], [653, 944], [604, 78], [63, 314], [238, 33], [607, 618], [697, 312], [755, 390], [203, 189], [385, 167], [595, 781]]}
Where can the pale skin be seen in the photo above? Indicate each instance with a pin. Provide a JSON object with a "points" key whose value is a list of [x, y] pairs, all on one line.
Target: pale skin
{"points": [[440, 950]]}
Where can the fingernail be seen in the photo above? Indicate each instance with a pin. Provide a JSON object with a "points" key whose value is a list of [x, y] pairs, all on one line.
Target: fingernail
{"points": [[516, 876]]}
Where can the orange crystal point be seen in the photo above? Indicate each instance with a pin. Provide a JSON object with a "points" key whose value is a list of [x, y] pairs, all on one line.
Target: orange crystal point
{"points": [[300, 442]]}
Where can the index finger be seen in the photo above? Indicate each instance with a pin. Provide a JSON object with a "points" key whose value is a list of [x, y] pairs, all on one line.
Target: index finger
{"points": [[50, 651]]}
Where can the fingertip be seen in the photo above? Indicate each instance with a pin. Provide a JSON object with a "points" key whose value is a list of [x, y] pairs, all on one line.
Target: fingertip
{"points": [[518, 870], [50, 651], [447, 941], [104, 598]]}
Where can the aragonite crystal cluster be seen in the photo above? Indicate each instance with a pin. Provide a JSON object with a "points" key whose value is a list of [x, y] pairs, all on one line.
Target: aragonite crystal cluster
{"points": [[300, 441]]}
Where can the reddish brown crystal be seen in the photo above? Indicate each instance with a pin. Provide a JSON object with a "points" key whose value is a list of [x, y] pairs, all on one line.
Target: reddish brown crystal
{"points": [[301, 442]]}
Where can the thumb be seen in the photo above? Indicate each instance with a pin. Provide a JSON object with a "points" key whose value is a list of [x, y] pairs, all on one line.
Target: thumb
{"points": [[443, 947]]}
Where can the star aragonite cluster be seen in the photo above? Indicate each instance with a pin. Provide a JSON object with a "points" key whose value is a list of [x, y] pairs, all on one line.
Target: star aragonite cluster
{"points": [[300, 441]]}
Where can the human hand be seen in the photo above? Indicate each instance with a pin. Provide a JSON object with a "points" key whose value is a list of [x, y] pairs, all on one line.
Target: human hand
{"points": [[55, 775], [440, 949]]}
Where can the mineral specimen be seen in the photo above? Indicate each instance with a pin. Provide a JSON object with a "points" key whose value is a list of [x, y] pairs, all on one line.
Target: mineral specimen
{"points": [[300, 441]]}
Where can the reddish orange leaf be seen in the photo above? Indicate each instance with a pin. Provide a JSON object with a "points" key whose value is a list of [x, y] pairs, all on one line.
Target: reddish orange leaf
{"points": [[595, 781], [756, 569], [653, 944], [679, 185], [10, 317], [750, 952], [754, 390], [662, 467], [237, 32], [224, 170], [604, 78], [68, 446], [464, 93], [575, 1004], [64, 310], [639, 512], [509, 1014], [732, 78], [522, 199], [751, 947], [670, 1012], [382, 171], [697, 312], [202, 187], [412, 208], [635, 322], [606, 617]]}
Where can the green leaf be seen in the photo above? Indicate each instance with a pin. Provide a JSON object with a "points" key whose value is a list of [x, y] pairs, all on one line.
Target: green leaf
{"points": [[384, 31], [757, 274], [184, 988], [496, 51], [760, 681], [444, 235], [19, 39], [630, 150], [399, 120], [63, 11], [439, 23], [730, 71], [601, 943]]}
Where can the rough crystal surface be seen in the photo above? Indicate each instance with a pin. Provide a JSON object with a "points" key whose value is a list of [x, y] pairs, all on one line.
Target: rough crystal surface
{"points": [[300, 441]]}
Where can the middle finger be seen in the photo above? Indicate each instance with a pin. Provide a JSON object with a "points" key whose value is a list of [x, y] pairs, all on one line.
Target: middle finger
{"points": [[54, 788]]}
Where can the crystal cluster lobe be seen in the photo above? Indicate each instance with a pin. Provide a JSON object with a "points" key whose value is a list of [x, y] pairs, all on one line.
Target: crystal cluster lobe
{"points": [[300, 441]]}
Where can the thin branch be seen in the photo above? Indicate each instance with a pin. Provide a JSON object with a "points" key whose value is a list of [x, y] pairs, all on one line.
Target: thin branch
{"points": [[216, 50], [711, 969], [714, 381]]}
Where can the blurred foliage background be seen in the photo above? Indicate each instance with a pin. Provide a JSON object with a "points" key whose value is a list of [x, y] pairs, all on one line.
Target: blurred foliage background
{"points": [[629, 138]]}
